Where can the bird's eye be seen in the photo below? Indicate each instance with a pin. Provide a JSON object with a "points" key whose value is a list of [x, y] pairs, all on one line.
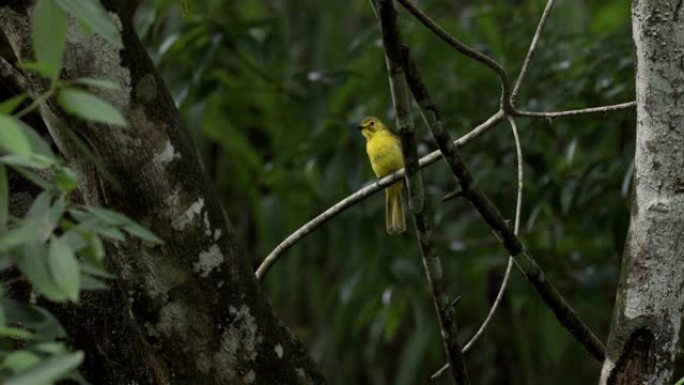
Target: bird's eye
{"points": [[372, 123]]}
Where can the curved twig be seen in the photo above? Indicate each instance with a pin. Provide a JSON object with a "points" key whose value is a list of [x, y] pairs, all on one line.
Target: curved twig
{"points": [[582, 111], [465, 50], [565, 314], [530, 51], [363, 193], [509, 266], [516, 229], [372, 188]]}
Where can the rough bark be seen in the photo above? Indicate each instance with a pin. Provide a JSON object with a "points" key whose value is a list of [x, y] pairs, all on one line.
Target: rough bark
{"points": [[650, 298], [186, 312]]}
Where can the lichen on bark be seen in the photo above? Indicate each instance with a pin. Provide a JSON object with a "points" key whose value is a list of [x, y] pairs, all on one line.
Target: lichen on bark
{"points": [[189, 311], [650, 300]]}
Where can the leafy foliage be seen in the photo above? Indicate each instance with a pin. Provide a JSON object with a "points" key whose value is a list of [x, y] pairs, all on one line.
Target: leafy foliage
{"points": [[55, 247], [272, 91]]}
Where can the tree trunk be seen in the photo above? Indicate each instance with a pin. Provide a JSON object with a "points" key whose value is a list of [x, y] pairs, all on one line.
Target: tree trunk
{"points": [[189, 311], [650, 298]]}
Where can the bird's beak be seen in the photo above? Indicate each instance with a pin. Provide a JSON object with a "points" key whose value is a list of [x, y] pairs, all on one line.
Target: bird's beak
{"points": [[359, 127]]}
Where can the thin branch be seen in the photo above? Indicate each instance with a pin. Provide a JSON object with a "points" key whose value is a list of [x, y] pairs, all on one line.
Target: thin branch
{"points": [[530, 51], [465, 50], [429, 159], [378, 185], [560, 114], [363, 193], [509, 267], [394, 54], [516, 228], [489, 212]]}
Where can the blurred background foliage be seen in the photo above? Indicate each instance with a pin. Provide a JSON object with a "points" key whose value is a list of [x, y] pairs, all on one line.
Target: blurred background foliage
{"points": [[271, 90]]}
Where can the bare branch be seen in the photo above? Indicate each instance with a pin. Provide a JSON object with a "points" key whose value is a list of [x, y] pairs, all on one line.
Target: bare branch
{"points": [[516, 228], [394, 55], [530, 51], [509, 267], [465, 50], [375, 186], [363, 193], [489, 212], [560, 114]]}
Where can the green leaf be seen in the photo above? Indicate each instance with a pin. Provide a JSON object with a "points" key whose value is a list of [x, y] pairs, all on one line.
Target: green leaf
{"points": [[38, 144], [9, 105], [33, 318], [15, 135], [39, 206], [38, 162], [66, 180], [89, 107], [32, 264], [40, 68], [96, 271], [10, 332], [110, 217], [76, 236], [23, 234], [64, 268], [48, 370], [46, 215], [95, 251], [140, 232], [110, 232], [21, 360], [99, 83], [4, 198], [131, 227], [91, 283], [49, 34], [92, 14], [50, 347], [12, 137]]}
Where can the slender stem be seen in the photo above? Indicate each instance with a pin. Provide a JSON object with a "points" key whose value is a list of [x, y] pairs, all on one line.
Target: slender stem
{"points": [[465, 50], [560, 114], [516, 229], [363, 193], [530, 51], [490, 213], [394, 54], [34, 104], [509, 266], [429, 159]]}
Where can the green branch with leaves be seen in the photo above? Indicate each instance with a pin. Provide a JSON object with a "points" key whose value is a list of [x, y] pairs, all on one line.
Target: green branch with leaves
{"points": [[55, 246]]}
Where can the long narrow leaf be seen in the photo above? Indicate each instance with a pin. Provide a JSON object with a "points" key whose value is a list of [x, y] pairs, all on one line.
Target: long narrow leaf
{"points": [[92, 14], [89, 107], [49, 34], [48, 370], [64, 268]]}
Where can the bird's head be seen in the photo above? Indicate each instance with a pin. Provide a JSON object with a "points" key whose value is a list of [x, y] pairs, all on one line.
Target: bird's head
{"points": [[370, 126]]}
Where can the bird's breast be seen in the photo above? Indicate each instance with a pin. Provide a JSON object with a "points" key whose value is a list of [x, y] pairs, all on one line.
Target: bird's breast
{"points": [[385, 155]]}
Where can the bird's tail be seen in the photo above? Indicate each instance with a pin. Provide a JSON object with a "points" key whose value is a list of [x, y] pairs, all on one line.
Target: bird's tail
{"points": [[394, 209]]}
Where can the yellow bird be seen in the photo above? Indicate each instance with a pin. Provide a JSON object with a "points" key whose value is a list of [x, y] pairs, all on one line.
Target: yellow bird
{"points": [[384, 152]]}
